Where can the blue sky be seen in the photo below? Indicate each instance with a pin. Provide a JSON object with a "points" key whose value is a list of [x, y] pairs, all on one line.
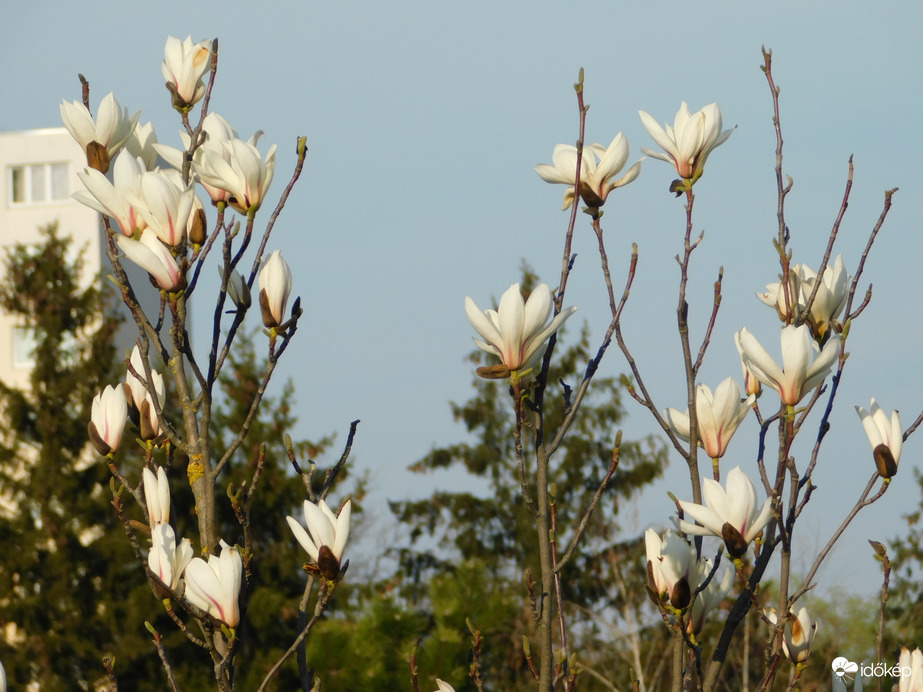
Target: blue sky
{"points": [[424, 122]]}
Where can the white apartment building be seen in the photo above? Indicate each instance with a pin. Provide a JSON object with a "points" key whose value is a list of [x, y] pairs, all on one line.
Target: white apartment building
{"points": [[39, 169]]}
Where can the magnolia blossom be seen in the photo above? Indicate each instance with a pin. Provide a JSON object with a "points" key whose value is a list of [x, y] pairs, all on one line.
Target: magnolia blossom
{"points": [[214, 586], [733, 515], [829, 301], [885, 435], [912, 662], [751, 381], [797, 634], [788, 300], [102, 138], [142, 403], [710, 597], [238, 290], [326, 536], [166, 559], [3, 678], [518, 330], [184, 63], [216, 130], [275, 283], [156, 495], [673, 568], [718, 416], [165, 204], [155, 258], [141, 144], [114, 199], [598, 166], [804, 365], [107, 419], [237, 167], [443, 686], [689, 141]]}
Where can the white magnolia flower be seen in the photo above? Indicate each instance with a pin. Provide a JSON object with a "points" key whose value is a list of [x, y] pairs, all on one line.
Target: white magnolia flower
{"points": [[797, 634], [184, 63], [155, 258], [166, 559], [443, 686], [689, 141], [518, 330], [829, 300], [238, 168], [325, 539], [114, 199], [598, 166], [214, 586], [804, 364], [143, 403], [710, 597], [141, 144], [156, 495], [109, 412], [672, 566], [718, 415], [275, 281], [733, 515], [885, 435], [101, 139], [165, 204], [238, 290]]}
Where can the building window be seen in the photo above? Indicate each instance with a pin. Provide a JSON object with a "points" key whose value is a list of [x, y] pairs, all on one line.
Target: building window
{"points": [[23, 347], [38, 183]]}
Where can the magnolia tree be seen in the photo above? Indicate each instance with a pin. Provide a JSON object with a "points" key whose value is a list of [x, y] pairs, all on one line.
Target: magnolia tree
{"points": [[172, 211], [155, 218]]}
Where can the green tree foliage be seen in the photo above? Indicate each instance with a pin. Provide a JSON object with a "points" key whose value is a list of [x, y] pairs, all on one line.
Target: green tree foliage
{"points": [[71, 589], [66, 574], [486, 536], [905, 603]]}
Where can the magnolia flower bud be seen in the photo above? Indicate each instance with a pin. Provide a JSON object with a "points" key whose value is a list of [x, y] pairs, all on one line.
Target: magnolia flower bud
{"points": [[109, 412], [275, 283], [886, 437]]}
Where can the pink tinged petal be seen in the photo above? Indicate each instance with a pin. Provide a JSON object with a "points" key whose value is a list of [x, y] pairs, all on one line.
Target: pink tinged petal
{"points": [[108, 413], [511, 312], [537, 342], [152, 256], [203, 589], [302, 537]]}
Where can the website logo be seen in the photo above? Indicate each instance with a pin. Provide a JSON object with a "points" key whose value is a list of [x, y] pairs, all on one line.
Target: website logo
{"points": [[843, 667]]}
